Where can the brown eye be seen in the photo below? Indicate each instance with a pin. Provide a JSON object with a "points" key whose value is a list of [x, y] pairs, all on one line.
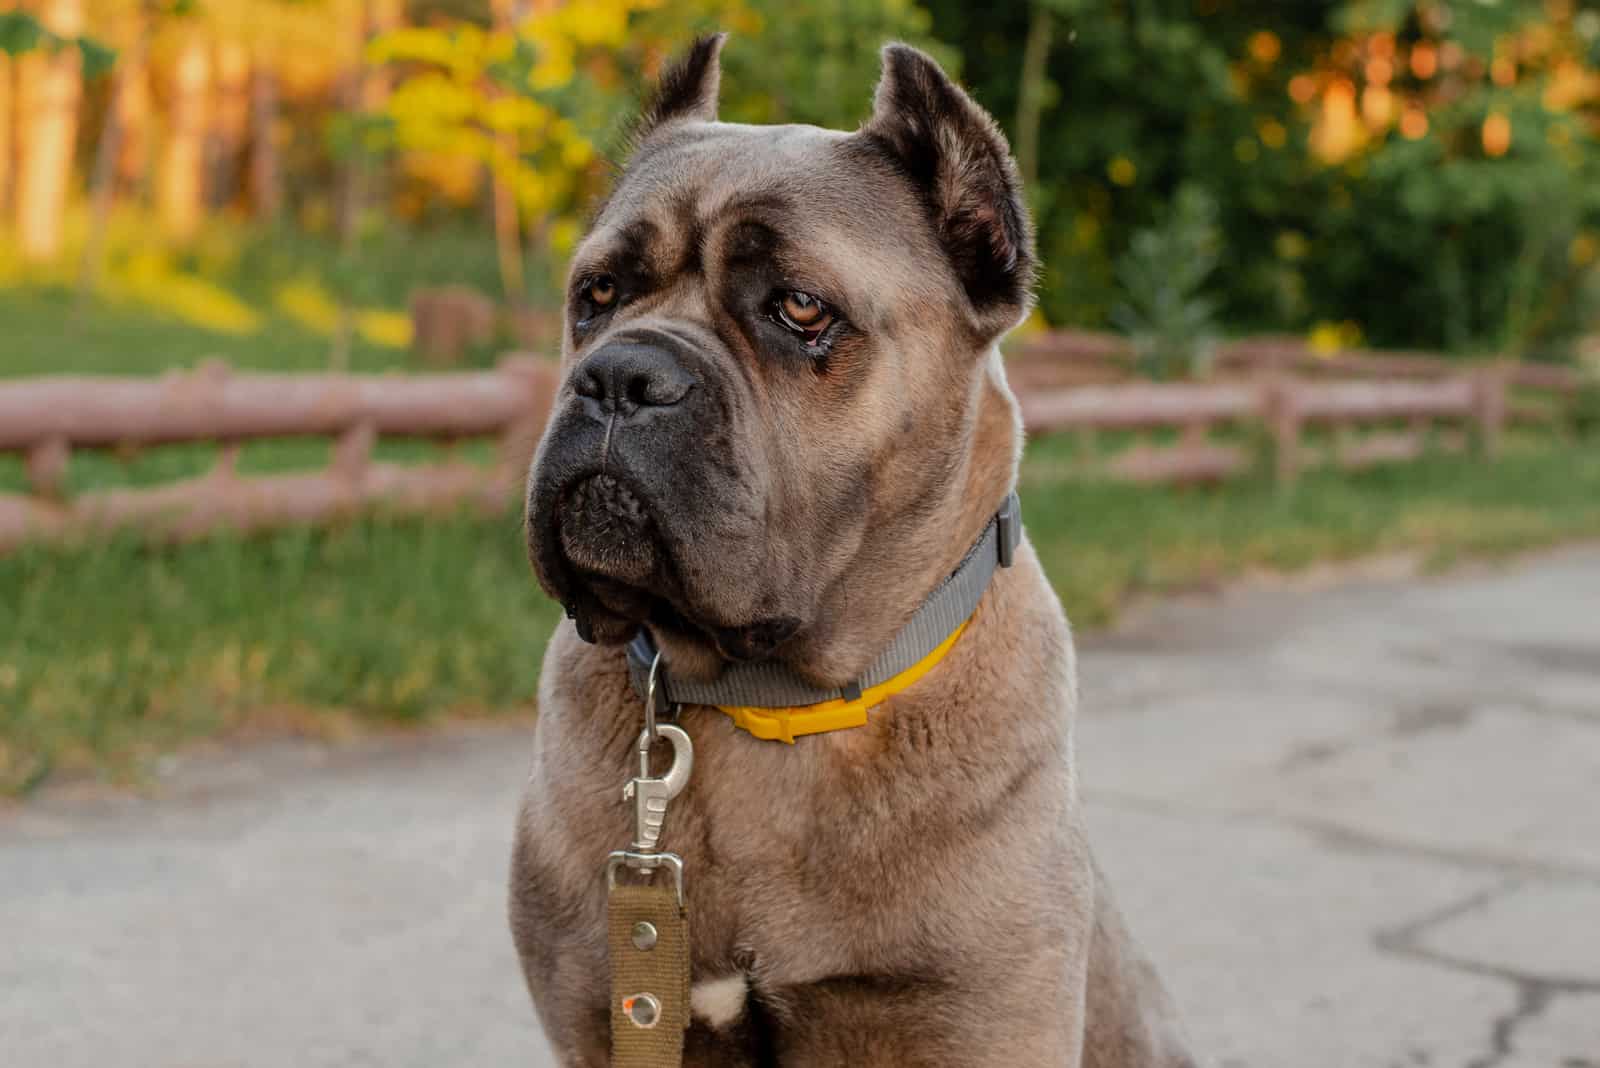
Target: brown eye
{"points": [[602, 291], [804, 312]]}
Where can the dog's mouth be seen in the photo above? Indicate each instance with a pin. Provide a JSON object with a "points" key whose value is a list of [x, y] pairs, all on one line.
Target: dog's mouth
{"points": [[606, 531], [615, 548]]}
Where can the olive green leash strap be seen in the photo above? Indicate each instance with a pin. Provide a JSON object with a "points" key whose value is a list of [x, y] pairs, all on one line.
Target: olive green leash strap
{"points": [[647, 915], [648, 939]]}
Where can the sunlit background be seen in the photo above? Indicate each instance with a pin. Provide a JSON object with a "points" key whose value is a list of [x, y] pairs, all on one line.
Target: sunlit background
{"points": [[382, 186]]}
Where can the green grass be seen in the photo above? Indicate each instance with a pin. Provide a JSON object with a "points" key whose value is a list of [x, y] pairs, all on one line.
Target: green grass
{"points": [[113, 654], [159, 308], [44, 337]]}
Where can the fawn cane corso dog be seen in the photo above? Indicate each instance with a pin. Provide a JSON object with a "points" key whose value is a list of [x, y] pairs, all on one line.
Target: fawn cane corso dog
{"points": [[783, 421]]}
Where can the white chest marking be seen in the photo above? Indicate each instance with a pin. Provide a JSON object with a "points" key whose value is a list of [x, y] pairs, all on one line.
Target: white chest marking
{"points": [[719, 1002]]}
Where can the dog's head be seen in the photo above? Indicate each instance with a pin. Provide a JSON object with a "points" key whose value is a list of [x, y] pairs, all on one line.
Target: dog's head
{"points": [[782, 418]]}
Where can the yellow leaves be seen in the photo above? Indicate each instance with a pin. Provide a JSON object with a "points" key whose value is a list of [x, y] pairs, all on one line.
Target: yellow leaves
{"points": [[1122, 171], [1584, 250], [577, 153], [149, 279], [431, 98], [388, 329], [1264, 47], [563, 235], [310, 305], [1571, 86], [1414, 123], [516, 114], [1338, 131], [464, 50], [1328, 339], [555, 67], [1496, 135], [496, 98], [585, 23]]}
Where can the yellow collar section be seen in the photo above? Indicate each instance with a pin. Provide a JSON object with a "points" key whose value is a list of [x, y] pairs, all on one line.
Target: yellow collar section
{"points": [[787, 724]]}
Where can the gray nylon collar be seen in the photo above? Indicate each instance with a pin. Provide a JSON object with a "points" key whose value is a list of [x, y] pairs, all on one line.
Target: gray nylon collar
{"points": [[771, 685]]}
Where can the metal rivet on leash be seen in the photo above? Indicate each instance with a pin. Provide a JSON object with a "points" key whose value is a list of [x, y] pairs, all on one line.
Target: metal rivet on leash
{"points": [[644, 935], [642, 1010]]}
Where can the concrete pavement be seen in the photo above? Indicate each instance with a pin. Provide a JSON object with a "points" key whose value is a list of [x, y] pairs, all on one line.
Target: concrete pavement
{"points": [[1356, 827]]}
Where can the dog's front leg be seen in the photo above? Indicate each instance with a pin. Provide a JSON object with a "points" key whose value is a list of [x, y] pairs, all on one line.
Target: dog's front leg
{"points": [[1032, 1016]]}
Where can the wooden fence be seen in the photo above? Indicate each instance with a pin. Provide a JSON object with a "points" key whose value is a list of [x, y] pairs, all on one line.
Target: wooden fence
{"points": [[1367, 408], [1360, 415], [46, 419], [1075, 357]]}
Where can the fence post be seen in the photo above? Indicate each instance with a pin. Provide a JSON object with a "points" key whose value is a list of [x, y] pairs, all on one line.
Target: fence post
{"points": [[353, 451], [537, 380], [1489, 408], [1282, 411], [47, 468]]}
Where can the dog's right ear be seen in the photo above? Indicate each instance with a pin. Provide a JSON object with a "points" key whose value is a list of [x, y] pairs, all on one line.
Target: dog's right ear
{"points": [[956, 155], [688, 88]]}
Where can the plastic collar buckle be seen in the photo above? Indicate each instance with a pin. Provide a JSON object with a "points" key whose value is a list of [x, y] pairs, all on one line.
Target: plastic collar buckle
{"points": [[1008, 520]]}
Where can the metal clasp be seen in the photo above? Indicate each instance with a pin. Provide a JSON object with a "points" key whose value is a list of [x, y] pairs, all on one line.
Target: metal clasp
{"points": [[645, 862], [650, 794]]}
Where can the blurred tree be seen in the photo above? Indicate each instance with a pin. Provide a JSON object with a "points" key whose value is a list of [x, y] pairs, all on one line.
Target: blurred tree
{"points": [[1165, 275], [539, 101], [49, 86], [6, 115], [813, 62], [180, 191], [126, 85]]}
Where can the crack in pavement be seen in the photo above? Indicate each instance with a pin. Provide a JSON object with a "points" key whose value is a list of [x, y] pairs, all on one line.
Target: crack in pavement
{"points": [[1532, 998], [1533, 993]]}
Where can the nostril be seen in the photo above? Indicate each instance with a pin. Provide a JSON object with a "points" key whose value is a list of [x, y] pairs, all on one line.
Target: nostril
{"points": [[657, 388], [588, 384]]}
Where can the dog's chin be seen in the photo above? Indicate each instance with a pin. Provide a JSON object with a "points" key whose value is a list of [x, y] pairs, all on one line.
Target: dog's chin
{"points": [[615, 550], [607, 532]]}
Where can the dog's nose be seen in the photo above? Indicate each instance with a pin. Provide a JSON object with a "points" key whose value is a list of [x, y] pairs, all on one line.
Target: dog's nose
{"points": [[625, 377]]}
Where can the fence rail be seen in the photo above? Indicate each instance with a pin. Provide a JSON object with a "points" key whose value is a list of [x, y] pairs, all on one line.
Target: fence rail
{"points": [[1375, 408], [1469, 407], [47, 419], [1069, 356]]}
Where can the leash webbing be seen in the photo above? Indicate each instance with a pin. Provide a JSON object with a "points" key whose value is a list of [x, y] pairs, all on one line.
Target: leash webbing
{"points": [[648, 944]]}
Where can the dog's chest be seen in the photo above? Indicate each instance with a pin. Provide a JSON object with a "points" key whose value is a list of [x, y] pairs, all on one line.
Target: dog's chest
{"points": [[792, 853]]}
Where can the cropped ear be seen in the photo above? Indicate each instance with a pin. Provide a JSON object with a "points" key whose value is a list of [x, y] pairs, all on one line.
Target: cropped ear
{"points": [[956, 155], [688, 87]]}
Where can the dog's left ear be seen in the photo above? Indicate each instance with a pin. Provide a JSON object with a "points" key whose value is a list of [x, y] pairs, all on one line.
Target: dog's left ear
{"points": [[958, 157], [688, 87]]}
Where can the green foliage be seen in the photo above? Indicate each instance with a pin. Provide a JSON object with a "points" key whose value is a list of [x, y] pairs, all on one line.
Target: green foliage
{"points": [[21, 33], [816, 62], [1165, 274], [1427, 241]]}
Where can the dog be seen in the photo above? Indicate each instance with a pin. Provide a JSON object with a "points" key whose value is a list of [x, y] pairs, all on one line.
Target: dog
{"points": [[783, 423]]}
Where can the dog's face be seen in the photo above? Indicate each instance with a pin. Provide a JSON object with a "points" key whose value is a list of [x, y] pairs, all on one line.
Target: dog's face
{"points": [[774, 363]]}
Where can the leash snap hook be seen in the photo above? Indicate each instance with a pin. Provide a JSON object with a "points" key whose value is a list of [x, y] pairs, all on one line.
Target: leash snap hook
{"points": [[650, 793]]}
